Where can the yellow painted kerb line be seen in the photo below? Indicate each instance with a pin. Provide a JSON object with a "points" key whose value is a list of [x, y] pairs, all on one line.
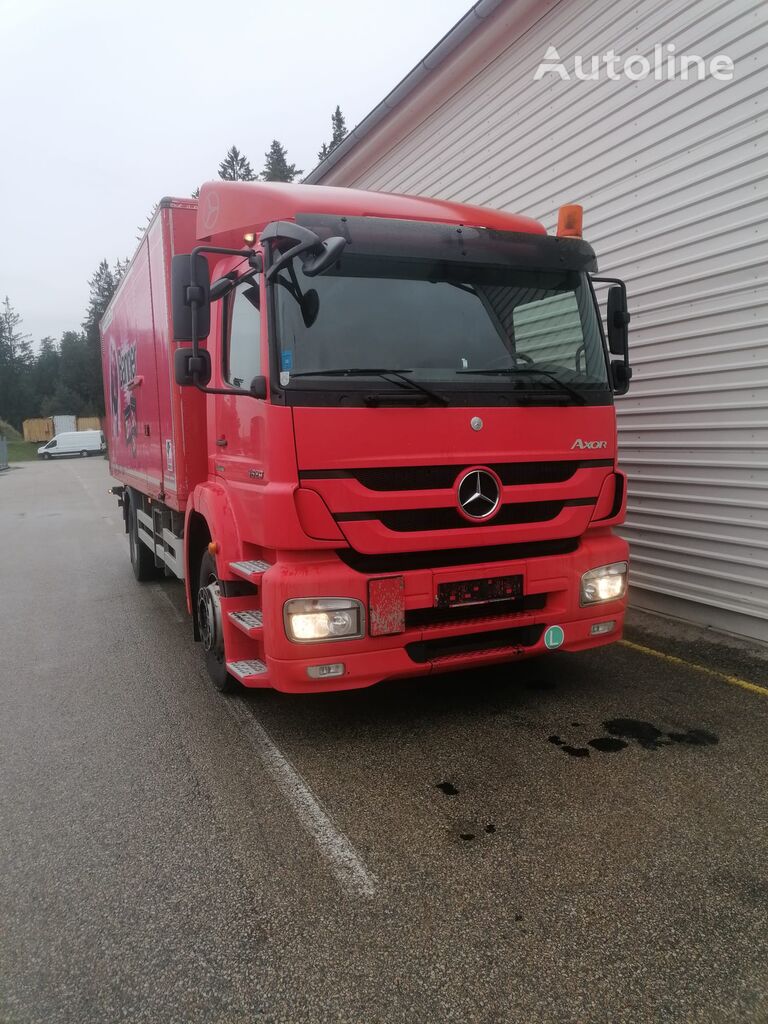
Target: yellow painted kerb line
{"points": [[672, 659]]}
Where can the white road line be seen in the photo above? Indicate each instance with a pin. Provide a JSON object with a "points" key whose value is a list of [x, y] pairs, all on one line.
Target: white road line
{"points": [[344, 861]]}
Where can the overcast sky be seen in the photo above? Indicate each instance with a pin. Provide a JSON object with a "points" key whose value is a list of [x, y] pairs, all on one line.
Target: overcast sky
{"points": [[108, 106]]}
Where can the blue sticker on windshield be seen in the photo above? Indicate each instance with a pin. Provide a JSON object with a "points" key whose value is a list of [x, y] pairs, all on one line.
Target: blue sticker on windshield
{"points": [[287, 363]]}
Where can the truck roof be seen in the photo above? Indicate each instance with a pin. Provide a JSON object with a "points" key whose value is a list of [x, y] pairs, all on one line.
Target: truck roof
{"points": [[227, 208]]}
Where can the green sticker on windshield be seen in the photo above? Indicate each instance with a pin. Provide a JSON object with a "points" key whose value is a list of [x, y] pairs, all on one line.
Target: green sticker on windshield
{"points": [[554, 638]]}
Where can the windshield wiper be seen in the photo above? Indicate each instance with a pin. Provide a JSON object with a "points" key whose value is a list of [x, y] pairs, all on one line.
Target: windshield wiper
{"points": [[377, 372], [512, 371]]}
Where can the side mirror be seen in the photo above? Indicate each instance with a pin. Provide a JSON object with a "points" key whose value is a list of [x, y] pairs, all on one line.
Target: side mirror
{"points": [[184, 293], [618, 321], [186, 364], [621, 373], [258, 387], [330, 250]]}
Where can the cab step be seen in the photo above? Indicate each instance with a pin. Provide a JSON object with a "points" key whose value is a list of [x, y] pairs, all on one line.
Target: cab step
{"points": [[251, 571], [251, 622], [247, 670]]}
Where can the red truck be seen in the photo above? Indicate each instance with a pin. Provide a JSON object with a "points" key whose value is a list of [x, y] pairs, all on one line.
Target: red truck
{"points": [[374, 434]]}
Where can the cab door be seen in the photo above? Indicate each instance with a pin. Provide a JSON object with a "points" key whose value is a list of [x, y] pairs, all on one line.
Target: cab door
{"points": [[240, 420]]}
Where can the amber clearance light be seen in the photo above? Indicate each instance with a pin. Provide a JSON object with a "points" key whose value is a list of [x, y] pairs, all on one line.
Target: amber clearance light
{"points": [[569, 221]]}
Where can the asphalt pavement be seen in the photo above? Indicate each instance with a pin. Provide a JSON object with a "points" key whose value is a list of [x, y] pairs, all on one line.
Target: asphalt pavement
{"points": [[579, 839]]}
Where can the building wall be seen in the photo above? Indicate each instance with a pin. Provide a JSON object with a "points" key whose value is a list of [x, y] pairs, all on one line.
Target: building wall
{"points": [[672, 176]]}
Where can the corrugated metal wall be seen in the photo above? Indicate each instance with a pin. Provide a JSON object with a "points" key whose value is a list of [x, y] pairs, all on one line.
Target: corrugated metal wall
{"points": [[672, 176]]}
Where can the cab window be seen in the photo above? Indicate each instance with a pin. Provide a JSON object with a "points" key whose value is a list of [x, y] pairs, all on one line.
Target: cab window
{"points": [[242, 350]]}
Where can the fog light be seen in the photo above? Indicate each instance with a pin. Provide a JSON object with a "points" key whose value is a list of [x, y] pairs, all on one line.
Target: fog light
{"points": [[313, 619], [325, 671], [602, 627], [606, 583]]}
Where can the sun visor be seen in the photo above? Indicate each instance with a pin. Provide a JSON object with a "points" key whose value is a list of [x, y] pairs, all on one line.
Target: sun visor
{"points": [[408, 239]]}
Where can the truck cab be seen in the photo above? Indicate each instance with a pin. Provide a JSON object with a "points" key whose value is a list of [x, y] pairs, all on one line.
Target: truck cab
{"points": [[409, 456]]}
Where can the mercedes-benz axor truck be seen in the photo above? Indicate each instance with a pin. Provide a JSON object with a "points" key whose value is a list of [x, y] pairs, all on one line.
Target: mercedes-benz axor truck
{"points": [[374, 434]]}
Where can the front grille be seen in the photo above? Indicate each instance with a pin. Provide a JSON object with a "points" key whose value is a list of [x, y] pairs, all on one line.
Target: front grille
{"points": [[419, 519], [425, 617], [426, 478], [431, 650], [412, 560]]}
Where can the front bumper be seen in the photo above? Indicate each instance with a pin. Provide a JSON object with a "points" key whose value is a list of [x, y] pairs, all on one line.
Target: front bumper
{"points": [[484, 637]]}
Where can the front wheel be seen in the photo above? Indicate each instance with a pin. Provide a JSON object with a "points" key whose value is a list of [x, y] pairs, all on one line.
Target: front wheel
{"points": [[46, 455], [83, 455], [209, 623]]}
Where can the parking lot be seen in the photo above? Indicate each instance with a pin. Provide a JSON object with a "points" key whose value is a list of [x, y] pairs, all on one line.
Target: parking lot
{"points": [[573, 839]]}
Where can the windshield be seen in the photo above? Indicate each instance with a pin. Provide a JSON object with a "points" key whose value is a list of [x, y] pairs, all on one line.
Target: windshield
{"points": [[442, 322]]}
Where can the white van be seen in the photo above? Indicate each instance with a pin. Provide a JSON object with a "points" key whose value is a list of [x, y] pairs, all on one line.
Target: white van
{"points": [[74, 442]]}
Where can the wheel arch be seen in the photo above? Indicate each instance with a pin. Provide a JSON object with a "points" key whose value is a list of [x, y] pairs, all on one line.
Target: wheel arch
{"points": [[209, 518]]}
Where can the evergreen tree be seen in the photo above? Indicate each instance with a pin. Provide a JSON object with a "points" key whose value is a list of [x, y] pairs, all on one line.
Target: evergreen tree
{"points": [[276, 166], [16, 364], [235, 167], [339, 127], [338, 134], [142, 228], [45, 375], [102, 287], [120, 268]]}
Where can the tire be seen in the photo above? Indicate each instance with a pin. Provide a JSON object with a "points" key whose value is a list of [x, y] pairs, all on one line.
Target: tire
{"points": [[142, 559], [47, 456], [208, 615], [83, 455]]}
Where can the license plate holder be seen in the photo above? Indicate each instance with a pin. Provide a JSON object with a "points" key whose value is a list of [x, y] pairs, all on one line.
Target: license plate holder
{"points": [[479, 591]]}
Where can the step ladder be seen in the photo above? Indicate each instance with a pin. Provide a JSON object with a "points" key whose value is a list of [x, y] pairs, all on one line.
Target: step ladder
{"points": [[252, 672], [251, 571], [250, 621]]}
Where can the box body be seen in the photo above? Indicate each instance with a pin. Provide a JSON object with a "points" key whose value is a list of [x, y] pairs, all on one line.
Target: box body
{"points": [[155, 429]]}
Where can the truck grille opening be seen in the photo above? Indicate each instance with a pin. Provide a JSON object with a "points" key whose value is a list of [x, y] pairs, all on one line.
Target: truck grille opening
{"points": [[424, 478], [430, 650], [425, 617], [413, 520], [408, 561]]}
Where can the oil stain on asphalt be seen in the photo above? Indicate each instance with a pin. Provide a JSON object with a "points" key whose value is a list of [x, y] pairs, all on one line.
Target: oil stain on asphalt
{"points": [[622, 731], [448, 788]]}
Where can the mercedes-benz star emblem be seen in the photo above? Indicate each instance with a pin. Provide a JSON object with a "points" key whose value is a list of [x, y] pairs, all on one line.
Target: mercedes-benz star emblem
{"points": [[478, 494]]}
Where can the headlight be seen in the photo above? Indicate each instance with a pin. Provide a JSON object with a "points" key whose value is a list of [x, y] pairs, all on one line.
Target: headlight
{"points": [[310, 619], [606, 583]]}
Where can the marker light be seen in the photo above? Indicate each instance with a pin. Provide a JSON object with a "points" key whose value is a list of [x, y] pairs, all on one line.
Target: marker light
{"points": [[569, 219], [326, 671], [312, 619], [600, 628], [606, 583], [249, 238]]}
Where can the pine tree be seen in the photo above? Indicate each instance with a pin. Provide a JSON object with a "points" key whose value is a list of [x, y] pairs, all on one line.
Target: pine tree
{"points": [[339, 126], [235, 167], [120, 268], [102, 287], [276, 166], [142, 228], [45, 376], [338, 134], [16, 365]]}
